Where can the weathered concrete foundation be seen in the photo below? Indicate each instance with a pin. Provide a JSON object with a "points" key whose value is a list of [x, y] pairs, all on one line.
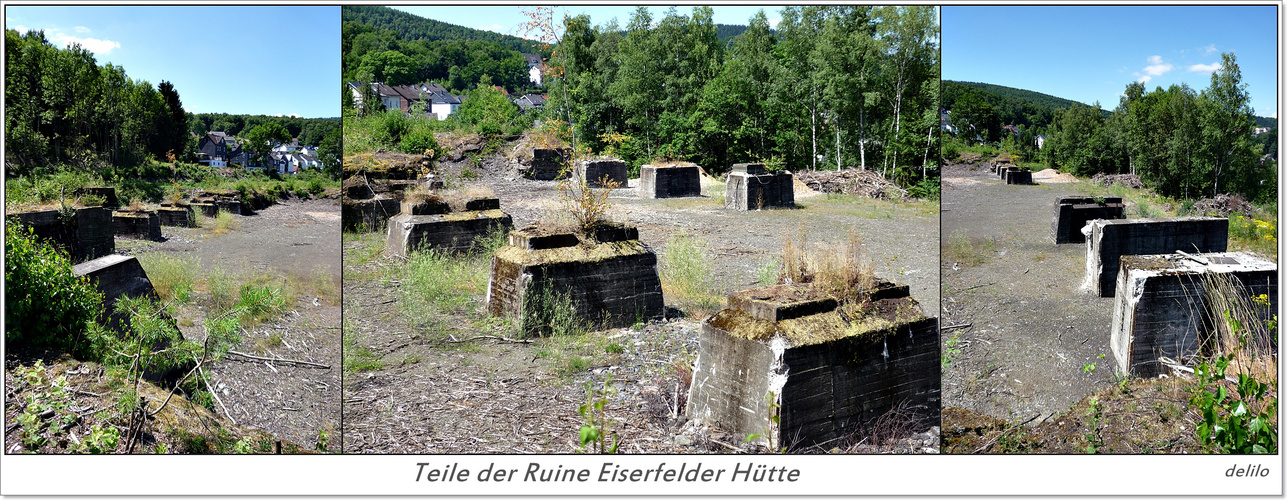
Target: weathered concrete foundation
{"points": [[828, 367], [226, 200], [370, 214], [1164, 308], [107, 193], [549, 164], [609, 280], [117, 276], [1108, 240], [137, 225], [754, 189], [85, 234], [450, 232], [597, 173], [1015, 175], [177, 215], [1073, 212], [669, 181]]}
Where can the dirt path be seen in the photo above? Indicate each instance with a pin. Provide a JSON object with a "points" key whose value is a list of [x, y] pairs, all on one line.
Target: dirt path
{"points": [[490, 396], [1033, 333], [297, 243]]}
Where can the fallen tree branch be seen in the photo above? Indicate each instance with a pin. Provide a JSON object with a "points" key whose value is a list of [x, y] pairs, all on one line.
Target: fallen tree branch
{"points": [[280, 360], [206, 380], [953, 327], [492, 337]]}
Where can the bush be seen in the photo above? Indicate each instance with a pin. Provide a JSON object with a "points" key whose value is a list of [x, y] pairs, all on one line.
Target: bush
{"points": [[419, 141], [927, 188], [391, 127], [45, 304], [489, 129]]}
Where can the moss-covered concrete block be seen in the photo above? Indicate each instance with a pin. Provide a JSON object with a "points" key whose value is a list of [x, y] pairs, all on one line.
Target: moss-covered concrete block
{"points": [[84, 233], [609, 280], [1165, 306], [137, 225], [449, 232], [823, 366]]}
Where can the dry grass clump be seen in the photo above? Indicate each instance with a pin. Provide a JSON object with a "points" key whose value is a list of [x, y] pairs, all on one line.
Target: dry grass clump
{"points": [[456, 199], [136, 205], [839, 269], [422, 194], [1244, 327]]}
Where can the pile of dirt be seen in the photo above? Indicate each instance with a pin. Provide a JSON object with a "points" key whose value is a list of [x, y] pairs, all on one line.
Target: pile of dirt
{"points": [[1052, 175], [852, 181], [1129, 180], [1224, 204]]}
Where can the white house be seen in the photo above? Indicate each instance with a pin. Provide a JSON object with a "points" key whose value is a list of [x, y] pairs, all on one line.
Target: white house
{"points": [[534, 67]]}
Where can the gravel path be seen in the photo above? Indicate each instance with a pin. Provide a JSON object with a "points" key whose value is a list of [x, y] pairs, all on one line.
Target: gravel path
{"points": [[1034, 335]]}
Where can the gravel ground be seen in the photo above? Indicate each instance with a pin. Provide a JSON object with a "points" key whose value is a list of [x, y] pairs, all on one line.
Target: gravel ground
{"points": [[296, 240], [1034, 342]]}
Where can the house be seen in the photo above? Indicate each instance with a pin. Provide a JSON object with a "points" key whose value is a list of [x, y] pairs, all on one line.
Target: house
{"points": [[530, 101], [404, 97], [945, 121], [1041, 141], [1012, 129], [534, 67], [1259, 130], [217, 149]]}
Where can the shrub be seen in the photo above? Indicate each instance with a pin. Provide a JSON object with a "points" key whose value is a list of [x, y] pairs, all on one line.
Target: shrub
{"points": [[927, 188], [489, 129], [45, 304], [391, 127], [419, 141]]}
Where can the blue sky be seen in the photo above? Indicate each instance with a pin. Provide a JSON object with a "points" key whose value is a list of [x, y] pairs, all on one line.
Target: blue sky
{"points": [[1090, 53], [505, 20], [228, 59]]}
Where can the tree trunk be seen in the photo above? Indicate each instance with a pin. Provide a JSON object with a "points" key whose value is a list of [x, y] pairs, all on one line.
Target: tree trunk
{"points": [[862, 136], [813, 121], [837, 141], [929, 140]]}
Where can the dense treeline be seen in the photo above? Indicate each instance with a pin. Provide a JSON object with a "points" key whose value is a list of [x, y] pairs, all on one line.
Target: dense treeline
{"points": [[373, 54], [834, 86], [62, 107], [414, 28], [979, 110], [1179, 141], [309, 131]]}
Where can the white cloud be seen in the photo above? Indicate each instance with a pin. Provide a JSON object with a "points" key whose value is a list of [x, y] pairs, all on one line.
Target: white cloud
{"points": [[81, 29], [91, 44], [1204, 68], [1209, 49], [773, 23], [1156, 67]]}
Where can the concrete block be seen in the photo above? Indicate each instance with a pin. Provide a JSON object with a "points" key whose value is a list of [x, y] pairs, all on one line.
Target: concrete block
{"points": [[107, 193], [1072, 213], [137, 225], [595, 171], [450, 232], [180, 216], [369, 214], [85, 235], [1108, 240], [828, 367], [756, 191], [608, 284], [1018, 176], [550, 164], [749, 168], [1162, 307], [669, 181], [117, 276]]}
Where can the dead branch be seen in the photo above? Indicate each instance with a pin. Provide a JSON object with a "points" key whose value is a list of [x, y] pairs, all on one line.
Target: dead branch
{"points": [[953, 327], [492, 337], [280, 360]]}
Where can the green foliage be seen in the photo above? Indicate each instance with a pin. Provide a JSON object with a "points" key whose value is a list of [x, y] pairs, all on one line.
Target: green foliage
{"points": [[420, 140], [172, 277], [951, 349], [928, 188], [102, 439], [1247, 423], [390, 127], [551, 313], [772, 426], [594, 434], [45, 304]]}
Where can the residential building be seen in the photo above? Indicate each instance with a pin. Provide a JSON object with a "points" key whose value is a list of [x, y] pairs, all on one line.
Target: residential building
{"points": [[534, 67], [217, 149]]}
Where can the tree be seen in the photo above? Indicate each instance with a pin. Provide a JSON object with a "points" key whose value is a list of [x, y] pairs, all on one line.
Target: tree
{"points": [[1227, 123], [176, 122], [330, 151], [261, 140]]}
